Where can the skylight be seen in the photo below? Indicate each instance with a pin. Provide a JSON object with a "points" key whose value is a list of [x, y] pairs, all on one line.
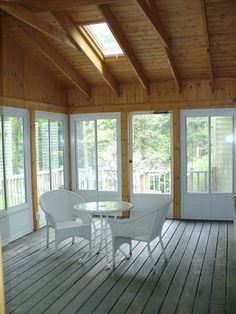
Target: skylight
{"points": [[103, 38]]}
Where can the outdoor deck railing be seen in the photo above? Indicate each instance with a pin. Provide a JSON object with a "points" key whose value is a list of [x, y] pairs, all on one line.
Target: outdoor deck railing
{"points": [[197, 181], [144, 181]]}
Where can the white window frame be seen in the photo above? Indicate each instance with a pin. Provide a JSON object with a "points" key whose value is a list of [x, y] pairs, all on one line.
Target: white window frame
{"points": [[83, 117], [58, 117]]}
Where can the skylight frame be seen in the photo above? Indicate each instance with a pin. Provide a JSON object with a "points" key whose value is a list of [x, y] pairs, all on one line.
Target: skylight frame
{"points": [[95, 39]]}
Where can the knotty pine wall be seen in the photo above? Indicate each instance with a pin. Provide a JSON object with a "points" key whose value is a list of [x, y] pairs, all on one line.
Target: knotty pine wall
{"points": [[24, 79], [164, 95]]}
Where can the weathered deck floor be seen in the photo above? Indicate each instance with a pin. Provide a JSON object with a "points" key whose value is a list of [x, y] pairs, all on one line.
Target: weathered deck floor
{"points": [[200, 276]]}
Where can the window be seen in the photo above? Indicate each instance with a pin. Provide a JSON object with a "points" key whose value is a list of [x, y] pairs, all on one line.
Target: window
{"points": [[209, 154], [50, 154], [12, 159], [96, 161], [104, 40], [97, 155]]}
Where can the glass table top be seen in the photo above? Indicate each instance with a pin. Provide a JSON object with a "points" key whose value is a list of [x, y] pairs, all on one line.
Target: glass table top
{"points": [[106, 207]]}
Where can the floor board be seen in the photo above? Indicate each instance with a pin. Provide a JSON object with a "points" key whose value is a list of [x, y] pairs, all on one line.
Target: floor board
{"points": [[199, 277]]}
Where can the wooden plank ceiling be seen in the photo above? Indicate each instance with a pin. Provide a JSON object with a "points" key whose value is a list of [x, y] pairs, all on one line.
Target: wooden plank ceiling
{"points": [[162, 39]]}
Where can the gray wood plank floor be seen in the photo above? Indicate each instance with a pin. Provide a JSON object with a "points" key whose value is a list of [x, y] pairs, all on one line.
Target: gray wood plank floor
{"points": [[200, 276]]}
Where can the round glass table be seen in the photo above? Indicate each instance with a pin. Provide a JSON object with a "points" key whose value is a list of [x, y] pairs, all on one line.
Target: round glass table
{"points": [[103, 209]]}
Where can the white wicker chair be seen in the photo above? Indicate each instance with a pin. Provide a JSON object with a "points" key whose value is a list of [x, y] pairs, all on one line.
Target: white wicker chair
{"points": [[143, 225], [58, 208]]}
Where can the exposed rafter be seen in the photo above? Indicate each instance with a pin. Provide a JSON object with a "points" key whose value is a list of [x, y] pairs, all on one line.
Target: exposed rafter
{"points": [[56, 5], [48, 51], [81, 43], [123, 42], [204, 19], [173, 69], [155, 20], [151, 13], [36, 22]]}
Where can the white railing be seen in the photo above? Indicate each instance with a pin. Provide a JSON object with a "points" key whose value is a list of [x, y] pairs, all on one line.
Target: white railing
{"points": [[15, 190], [197, 181], [107, 179], [152, 181], [15, 185], [147, 181], [43, 180]]}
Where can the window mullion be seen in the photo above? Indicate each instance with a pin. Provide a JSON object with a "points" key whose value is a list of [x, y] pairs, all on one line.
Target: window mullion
{"points": [[49, 154], [76, 154], [96, 154]]}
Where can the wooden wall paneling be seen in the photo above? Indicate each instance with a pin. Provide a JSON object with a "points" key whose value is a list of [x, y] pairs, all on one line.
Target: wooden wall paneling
{"points": [[2, 295], [13, 69], [34, 170], [51, 53], [163, 96], [30, 104], [176, 163], [1, 55], [24, 79], [39, 85]]}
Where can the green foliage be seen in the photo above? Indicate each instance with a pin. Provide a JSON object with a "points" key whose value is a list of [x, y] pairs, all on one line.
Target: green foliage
{"points": [[197, 143], [152, 141]]}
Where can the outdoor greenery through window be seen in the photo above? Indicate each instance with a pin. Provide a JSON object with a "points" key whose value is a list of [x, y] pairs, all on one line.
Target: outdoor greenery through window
{"points": [[97, 155], [151, 140], [12, 169], [104, 40], [197, 154], [209, 146], [49, 154]]}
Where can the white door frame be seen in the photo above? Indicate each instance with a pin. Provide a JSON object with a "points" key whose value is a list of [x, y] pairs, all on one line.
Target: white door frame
{"points": [[148, 200]]}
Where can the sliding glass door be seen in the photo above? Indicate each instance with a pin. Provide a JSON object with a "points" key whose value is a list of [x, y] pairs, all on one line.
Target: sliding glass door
{"points": [[96, 155], [207, 163]]}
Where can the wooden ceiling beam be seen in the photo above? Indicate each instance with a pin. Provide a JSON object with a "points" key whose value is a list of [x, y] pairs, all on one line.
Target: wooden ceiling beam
{"points": [[123, 42], [56, 5], [36, 22], [81, 43], [151, 13], [173, 69], [154, 19], [40, 43], [205, 27]]}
